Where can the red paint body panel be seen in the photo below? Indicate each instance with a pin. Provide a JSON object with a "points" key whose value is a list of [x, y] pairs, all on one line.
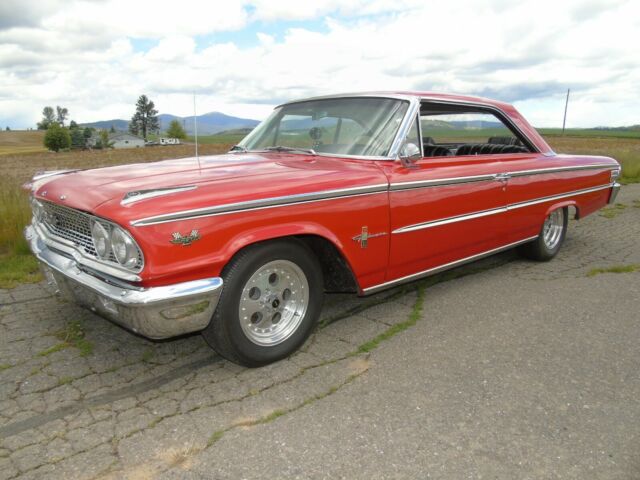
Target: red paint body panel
{"points": [[241, 177]]}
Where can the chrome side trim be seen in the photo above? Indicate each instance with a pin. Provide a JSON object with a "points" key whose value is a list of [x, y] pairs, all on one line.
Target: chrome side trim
{"points": [[542, 171], [139, 195], [495, 211], [483, 178], [528, 203], [440, 182], [262, 203], [441, 268], [446, 221]]}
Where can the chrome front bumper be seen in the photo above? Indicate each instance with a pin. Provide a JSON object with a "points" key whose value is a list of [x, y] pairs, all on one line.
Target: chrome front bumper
{"points": [[614, 193], [156, 312]]}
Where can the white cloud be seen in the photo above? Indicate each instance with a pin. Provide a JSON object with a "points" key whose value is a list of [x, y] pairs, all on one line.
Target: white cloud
{"points": [[83, 55]]}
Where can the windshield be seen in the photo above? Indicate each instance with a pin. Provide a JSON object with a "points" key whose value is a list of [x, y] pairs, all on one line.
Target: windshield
{"points": [[341, 126]]}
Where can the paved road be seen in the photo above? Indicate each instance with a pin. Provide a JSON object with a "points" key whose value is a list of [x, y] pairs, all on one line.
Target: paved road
{"points": [[512, 370]]}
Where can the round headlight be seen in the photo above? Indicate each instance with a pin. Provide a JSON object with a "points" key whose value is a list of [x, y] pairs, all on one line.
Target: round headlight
{"points": [[101, 240], [124, 248]]}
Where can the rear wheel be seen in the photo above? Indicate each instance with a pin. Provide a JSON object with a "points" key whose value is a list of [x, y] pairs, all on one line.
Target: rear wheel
{"points": [[550, 239], [271, 300]]}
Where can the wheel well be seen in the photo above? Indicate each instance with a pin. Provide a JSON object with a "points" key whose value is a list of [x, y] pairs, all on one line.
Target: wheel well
{"points": [[336, 272], [574, 212]]}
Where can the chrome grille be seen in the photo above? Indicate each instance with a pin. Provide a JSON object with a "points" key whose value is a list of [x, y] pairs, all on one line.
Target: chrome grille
{"points": [[75, 226]]}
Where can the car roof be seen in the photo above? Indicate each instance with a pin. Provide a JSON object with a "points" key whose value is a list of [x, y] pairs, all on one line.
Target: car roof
{"points": [[425, 95]]}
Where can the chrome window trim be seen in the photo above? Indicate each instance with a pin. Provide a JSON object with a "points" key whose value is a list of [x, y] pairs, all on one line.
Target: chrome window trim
{"points": [[501, 116], [396, 144], [405, 125], [495, 211], [441, 268], [414, 102], [262, 204]]}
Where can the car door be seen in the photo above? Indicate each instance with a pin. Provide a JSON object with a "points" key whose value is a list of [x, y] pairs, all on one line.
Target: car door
{"points": [[443, 209]]}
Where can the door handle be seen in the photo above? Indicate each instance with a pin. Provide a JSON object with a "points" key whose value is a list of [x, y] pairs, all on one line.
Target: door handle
{"points": [[502, 177]]}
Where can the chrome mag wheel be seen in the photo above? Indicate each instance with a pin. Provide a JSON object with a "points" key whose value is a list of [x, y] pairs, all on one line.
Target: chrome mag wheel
{"points": [[552, 228], [273, 302]]}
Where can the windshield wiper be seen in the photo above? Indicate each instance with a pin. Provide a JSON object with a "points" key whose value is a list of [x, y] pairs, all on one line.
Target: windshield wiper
{"points": [[281, 148], [239, 148]]}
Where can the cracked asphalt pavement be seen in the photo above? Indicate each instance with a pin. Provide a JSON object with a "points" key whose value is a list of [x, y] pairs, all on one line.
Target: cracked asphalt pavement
{"points": [[504, 368]]}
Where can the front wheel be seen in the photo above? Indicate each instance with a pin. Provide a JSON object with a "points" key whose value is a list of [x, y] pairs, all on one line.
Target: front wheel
{"points": [[550, 239], [270, 302]]}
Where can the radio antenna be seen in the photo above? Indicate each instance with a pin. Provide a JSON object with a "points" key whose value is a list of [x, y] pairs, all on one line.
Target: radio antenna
{"points": [[195, 128]]}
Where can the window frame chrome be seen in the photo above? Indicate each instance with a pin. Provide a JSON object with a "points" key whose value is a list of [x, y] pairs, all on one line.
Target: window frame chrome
{"points": [[415, 102]]}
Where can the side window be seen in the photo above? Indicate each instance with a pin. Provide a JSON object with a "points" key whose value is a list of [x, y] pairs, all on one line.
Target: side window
{"points": [[413, 135], [460, 131]]}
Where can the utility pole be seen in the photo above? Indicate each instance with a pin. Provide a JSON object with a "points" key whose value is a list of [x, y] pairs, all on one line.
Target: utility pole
{"points": [[566, 105]]}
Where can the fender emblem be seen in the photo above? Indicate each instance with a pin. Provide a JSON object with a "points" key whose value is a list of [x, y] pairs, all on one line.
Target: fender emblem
{"points": [[364, 237], [178, 239]]}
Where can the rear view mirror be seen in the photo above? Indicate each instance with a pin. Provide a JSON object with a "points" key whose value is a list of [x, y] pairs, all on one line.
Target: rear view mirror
{"points": [[409, 153]]}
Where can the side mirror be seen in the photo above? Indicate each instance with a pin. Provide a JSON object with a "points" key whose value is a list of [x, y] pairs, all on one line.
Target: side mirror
{"points": [[409, 153]]}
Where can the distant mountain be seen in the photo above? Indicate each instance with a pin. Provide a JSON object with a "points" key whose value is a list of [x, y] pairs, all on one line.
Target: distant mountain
{"points": [[208, 123], [121, 125]]}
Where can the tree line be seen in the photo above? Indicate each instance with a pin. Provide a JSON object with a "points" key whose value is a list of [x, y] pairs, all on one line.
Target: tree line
{"points": [[143, 122]]}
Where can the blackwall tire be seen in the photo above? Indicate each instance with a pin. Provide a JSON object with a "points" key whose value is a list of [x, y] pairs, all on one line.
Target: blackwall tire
{"points": [[550, 239], [270, 302]]}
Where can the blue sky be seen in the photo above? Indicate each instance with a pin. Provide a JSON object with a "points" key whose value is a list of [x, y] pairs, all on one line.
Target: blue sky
{"points": [[242, 57]]}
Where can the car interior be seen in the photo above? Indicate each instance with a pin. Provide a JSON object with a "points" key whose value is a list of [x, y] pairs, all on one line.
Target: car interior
{"points": [[452, 130]]}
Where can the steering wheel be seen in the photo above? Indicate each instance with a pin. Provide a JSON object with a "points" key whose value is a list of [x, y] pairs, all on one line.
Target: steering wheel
{"points": [[316, 134]]}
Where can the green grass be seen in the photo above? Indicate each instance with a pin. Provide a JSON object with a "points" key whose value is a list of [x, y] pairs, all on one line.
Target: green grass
{"points": [[613, 211], [223, 139], [17, 265], [55, 348], [16, 214], [65, 380], [414, 316], [17, 269], [4, 366], [614, 269], [215, 437], [589, 132], [73, 336], [148, 354], [630, 167]]}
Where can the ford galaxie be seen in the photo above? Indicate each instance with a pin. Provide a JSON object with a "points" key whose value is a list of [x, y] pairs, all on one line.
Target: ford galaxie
{"points": [[345, 193]]}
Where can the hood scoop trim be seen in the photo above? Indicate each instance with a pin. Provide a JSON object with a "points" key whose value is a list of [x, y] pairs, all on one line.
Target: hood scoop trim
{"points": [[139, 195]]}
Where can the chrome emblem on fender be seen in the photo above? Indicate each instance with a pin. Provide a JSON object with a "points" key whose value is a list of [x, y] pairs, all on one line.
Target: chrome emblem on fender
{"points": [[178, 239], [364, 237]]}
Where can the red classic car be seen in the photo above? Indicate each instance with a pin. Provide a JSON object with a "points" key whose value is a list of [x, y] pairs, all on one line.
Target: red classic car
{"points": [[355, 192]]}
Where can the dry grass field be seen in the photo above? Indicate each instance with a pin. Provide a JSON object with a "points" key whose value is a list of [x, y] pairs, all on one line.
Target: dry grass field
{"points": [[21, 141], [21, 155], [22, 158]]}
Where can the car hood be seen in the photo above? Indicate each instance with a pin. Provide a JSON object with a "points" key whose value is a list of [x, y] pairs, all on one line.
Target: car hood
{"points": [[217, 179]]}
